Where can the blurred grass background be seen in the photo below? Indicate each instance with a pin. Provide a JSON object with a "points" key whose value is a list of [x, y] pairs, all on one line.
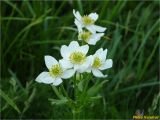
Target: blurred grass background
{"points": [[32, 29]]}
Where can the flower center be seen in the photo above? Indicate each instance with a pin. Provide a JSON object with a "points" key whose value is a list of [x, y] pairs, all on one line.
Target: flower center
{"points": [[77, 57], [84, 36], [87, 20], [96, 63], [56, 70]]}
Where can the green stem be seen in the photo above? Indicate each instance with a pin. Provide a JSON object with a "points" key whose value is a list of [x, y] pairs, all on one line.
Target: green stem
{"points": [[64, 91], [70, 101], [75, 87], [76, 113], [87, 82], [56, 92]]}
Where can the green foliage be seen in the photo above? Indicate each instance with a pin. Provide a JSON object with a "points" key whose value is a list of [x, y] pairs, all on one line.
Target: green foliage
{"points": [[94, 90], [9, 101], [32, 29]]}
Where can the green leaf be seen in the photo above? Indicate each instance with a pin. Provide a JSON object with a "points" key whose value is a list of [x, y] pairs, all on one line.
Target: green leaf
{"points": [[96, 88], [14, 6], [59, 95], [58, 102], [135, 87], [80, 86], [29, 100], [9, 101], [96, 97]]}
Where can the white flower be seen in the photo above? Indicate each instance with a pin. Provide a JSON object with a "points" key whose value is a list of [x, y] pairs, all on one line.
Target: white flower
{"points": [[57, 71], [100, 63], [74, 56], [90, 38], [87, 21]]}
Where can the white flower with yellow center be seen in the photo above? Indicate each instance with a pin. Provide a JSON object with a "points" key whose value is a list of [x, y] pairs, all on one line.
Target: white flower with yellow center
{"points": [[90, 38], [57, 72], [74, 56], [100, 63], [87, 21]]}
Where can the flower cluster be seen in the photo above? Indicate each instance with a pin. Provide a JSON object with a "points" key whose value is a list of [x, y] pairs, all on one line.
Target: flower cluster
{"points": [[74, 57], [87, 29]]}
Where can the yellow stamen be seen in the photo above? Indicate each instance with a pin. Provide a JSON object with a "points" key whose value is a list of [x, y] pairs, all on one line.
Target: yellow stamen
{"points": [[56, 70], [77, 58], [84, 36], [96, 63], [87, 20]]}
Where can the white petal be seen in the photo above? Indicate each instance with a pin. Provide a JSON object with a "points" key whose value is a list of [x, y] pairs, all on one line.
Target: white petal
{"points": [[98, 73], [91, 41], [81, 69], [89, 60], [68, 73], [85, 66], [103, 55], [97, 36], [83, 49], [79, 25], [76, 67], [66, 64], [91, 28], [73, 45], [50, 61], [65, 51], [99, 28], [57, 81], [99, 51], [94, 38], [77, 15], [88, 70], [44, 77], [94, 16], [108, 64]]}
